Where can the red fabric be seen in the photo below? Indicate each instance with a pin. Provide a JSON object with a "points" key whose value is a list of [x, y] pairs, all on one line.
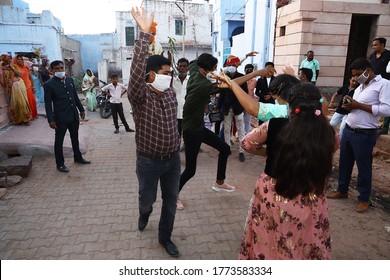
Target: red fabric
{"points": [[233, 60]]}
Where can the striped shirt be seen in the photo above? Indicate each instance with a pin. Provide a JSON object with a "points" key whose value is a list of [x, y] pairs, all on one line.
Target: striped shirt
{"points": [[155, 116]]}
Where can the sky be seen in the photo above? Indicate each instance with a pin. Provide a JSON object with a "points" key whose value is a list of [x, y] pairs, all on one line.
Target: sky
{"points": [[84, 16]]}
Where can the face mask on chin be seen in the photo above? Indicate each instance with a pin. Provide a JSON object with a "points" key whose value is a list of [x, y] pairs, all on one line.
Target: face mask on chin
{"points": [[362, 79], [60, 75], [161, 82]]}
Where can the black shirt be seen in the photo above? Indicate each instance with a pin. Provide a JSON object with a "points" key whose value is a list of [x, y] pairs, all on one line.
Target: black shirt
{"points": [[379, 64], [274, 127], [227, 99], [343, 91], [62, 103]]}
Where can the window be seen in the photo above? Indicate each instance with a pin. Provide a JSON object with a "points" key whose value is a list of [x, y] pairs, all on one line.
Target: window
{"points": [[129, 36], [282, 31], [179, 27]]}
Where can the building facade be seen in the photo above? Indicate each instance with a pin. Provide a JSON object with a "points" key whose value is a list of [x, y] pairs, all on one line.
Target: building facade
{"points": [[337, 31], [228, 23], [283, 31], [190, 39], [24, 32]]}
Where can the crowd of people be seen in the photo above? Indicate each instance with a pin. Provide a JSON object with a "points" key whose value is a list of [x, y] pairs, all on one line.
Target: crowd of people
{"points": [[22, 80], [288, 212]]}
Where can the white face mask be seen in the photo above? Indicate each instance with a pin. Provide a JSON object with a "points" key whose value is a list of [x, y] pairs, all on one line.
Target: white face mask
{"points": [[232, 69], [161, 82], [362, 79], [210, 78], [60, 75]]}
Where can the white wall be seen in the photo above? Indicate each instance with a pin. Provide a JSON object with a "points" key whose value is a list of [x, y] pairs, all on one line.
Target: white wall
{"points": [[197, 38], [17, 35]]}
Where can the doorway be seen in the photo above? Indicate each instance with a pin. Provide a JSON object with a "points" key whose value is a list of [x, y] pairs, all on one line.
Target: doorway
{"points": [[359, 40]]}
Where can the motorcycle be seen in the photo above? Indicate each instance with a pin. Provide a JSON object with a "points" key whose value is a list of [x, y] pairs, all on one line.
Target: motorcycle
{"points": [[103, 101]]}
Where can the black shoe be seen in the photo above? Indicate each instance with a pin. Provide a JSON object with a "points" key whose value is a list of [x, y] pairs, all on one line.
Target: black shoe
{"points": [[143, 221], [63, 168], [130, 130], [82, 161], [241, 157], [170, 248], [116, 131]]}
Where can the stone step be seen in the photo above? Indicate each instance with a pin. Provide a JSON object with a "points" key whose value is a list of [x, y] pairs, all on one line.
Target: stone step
{"points": [[19, 165]]}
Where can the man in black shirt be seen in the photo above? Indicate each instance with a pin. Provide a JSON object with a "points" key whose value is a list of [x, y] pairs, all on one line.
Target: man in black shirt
{"points": [[380, 60], [62, 106], [341, 114]]}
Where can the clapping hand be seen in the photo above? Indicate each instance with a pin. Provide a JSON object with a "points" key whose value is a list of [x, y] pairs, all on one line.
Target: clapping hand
{"points": [[288, 69], [142, 19]]}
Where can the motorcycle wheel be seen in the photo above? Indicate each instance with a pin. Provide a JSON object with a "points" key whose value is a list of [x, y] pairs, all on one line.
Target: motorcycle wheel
{"points": [[105, 111]]}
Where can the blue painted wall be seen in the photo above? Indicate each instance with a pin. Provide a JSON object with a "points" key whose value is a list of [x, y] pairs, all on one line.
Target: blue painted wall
{"points": [[92, 47], [232, 12]]}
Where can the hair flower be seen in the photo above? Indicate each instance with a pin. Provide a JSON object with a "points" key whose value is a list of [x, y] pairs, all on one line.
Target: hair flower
{"points": [[317, 112], [297, 111]]}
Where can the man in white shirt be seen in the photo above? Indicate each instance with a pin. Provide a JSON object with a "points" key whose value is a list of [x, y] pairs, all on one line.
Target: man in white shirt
{"points": [[180, 87], [370, 100], [116, 90]]}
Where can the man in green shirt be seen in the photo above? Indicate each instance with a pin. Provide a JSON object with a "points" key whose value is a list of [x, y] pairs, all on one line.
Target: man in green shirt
{"points": [[199, 88], [313, 64]]}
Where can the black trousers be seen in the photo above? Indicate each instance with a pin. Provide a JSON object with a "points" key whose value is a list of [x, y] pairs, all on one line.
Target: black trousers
{"points": [[61, 129], [117, 109], [192, 145]]}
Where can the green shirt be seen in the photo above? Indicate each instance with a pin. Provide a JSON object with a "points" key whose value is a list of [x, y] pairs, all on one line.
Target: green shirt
{"points": [[199, 89], [269, 111], [314, 65]]}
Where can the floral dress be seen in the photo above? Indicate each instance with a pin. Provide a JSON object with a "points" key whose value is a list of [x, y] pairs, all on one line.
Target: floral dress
{"points": [[278, 228]]}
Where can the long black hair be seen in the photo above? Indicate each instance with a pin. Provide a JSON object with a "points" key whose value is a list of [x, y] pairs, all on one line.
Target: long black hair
{"points": [[281, 85], [304, 147]]}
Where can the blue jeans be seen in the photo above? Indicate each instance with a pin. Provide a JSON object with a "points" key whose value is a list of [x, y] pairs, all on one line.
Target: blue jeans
{"points": [[149, 172], [356, 147]]}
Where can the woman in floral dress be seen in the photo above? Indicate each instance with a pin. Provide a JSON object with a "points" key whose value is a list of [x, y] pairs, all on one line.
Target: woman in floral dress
{"points": [[288, 214]]}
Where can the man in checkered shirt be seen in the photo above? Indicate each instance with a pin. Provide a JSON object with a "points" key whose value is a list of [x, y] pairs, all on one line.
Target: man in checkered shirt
{"points": [[157, 137]]}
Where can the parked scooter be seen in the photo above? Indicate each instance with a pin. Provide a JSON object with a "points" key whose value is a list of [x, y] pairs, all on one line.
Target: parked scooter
{"points": [[103, 101]]}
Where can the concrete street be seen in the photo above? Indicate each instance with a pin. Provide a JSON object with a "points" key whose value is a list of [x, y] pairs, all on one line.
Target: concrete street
{"points": [[92, 212]]}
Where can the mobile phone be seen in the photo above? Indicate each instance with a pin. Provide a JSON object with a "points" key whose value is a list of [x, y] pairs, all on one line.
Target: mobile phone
{"points": [[347, 100]]}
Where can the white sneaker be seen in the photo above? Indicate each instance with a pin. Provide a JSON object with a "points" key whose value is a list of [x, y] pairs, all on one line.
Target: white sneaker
{"points": [[223, 188], [179, 204]]}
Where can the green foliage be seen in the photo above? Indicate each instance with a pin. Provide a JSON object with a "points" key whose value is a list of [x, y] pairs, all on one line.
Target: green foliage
{"points": [[78, 80], [173, 50]]}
